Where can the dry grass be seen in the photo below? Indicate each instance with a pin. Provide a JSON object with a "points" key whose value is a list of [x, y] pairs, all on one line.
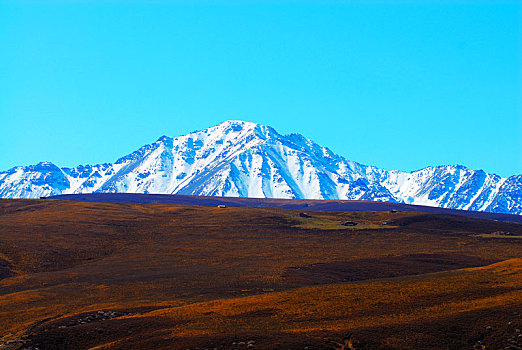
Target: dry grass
{"points": [[317, 223], [209, 276], [338, 307]]}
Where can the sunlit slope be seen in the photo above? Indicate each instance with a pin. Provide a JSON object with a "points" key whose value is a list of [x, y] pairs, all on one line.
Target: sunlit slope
{"points": [[337, 309], [77, 275]]}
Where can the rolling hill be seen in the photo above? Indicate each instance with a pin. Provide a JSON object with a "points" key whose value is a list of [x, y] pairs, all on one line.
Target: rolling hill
{"points": [[99, 275]]}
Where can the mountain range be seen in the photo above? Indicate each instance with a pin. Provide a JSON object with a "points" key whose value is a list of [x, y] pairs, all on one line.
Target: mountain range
{"points": [[243, 159]]}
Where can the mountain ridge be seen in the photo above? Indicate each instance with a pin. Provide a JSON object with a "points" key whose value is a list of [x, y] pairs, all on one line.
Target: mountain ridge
{"points": [[244, 159]]}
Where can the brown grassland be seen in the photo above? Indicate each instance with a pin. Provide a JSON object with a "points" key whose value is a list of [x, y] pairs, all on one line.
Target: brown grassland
{"points": [[78, 275]]}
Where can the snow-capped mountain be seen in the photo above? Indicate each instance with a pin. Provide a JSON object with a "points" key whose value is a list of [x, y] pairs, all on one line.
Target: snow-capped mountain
{"points": [[237, 158]]}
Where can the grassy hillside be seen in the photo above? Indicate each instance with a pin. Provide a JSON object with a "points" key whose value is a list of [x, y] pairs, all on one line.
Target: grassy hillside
{"points": [[78, 275]]}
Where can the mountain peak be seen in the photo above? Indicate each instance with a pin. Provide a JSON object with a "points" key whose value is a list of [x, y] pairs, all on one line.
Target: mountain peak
{"points": [[236, 126], [247, 159], [232, 122]]}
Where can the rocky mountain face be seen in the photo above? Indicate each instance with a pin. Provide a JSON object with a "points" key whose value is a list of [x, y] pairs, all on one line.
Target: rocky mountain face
{"points": [[245, 159]]}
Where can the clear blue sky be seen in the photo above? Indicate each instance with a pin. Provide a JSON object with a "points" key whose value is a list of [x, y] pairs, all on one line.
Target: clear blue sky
{"points": [[399, 86]]}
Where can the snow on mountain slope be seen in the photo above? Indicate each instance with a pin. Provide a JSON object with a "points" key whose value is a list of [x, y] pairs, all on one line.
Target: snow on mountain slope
{"points": [[245, 159]]}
